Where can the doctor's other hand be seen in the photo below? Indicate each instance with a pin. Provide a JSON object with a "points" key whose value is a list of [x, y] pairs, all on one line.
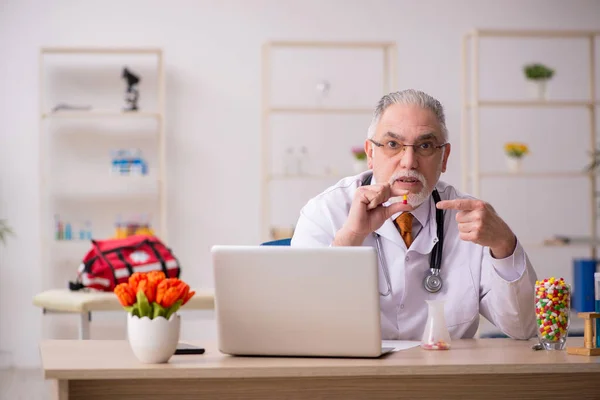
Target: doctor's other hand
{"points": [[479, 223], [367, 213]]}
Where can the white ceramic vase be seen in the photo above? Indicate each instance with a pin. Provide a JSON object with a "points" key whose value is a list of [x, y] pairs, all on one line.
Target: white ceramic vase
{"points": [[514, 164], [538, 89], [153, 341]]}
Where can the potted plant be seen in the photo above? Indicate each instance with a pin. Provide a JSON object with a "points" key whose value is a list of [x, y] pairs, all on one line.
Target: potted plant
{"points": [[5, 230], [538, 75], [515, 152], [153, 325], [360, 159]]}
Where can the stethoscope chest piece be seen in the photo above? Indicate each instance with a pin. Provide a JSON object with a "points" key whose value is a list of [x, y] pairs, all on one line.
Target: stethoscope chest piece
{"points": [[433, 281]]}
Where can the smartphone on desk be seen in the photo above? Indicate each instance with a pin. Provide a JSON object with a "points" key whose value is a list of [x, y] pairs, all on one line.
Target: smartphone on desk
{"points": [[184, 348]]}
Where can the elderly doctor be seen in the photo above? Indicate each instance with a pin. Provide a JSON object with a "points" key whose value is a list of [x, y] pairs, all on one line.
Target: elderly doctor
{"points": [[483, 268]]}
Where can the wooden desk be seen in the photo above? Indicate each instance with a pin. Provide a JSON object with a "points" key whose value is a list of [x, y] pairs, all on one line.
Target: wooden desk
{"points": [[485, 368]]}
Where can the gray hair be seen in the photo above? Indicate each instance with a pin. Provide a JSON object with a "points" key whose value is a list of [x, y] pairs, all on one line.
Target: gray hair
{"points": [[409, 97]]}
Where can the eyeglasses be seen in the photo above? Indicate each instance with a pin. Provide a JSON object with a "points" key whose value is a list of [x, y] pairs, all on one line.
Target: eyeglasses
{"points": [[392, 148]]}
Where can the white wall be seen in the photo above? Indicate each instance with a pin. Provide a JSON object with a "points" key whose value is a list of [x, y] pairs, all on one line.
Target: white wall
{"points": [[212, 51]]}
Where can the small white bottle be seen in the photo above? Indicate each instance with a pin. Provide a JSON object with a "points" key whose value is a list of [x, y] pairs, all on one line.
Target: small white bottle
{"points": [[303, 161], [290, 166]]}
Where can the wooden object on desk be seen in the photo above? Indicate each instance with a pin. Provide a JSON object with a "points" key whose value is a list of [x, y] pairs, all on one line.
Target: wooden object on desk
{"points": [[589, 340], [473, 369]]}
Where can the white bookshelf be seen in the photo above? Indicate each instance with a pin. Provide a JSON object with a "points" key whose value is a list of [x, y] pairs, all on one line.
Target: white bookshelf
{"points": [[473, 104], [92, 188], [384, 51]]}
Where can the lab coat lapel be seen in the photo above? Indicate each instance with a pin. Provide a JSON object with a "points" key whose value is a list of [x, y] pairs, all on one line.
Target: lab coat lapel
{"points": [[425, 241], [389, 231]]}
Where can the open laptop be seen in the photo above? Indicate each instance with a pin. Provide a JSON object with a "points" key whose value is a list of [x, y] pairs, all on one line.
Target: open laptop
{"points": [[287, 301]]}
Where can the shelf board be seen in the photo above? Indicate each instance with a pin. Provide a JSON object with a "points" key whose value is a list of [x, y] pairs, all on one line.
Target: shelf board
{"points": [[282, 43], [535, 33], [556, 174], [112, 187], [533, 103], [100, 50], [101, 114], [77, 244], [316, 110], [550, 245], [282, 177]]}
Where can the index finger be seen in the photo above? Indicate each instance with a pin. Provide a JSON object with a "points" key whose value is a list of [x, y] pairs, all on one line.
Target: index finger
{"points": [[459, 204]]}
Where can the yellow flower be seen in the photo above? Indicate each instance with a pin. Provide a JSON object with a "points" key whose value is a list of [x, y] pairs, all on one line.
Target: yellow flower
{"points": [[516, 149]]}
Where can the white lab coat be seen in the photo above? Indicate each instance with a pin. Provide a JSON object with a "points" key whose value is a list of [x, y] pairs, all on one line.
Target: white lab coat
{"points": [[502, 290]]}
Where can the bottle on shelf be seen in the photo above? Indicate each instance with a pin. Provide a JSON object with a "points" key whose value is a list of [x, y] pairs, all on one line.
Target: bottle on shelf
{"points": [[58, 233], [68, 231], [126, 162], [137, 163], [120, 230], [290, 165], [126, 158], [88, 230], [144, 226], [82, 233], [303, 161], [65, 230]]}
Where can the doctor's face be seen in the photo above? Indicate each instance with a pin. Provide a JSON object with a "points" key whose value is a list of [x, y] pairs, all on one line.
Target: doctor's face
{"points": [[416, 167]]}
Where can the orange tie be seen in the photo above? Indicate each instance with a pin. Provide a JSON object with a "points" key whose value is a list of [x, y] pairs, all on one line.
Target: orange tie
{"points": [[404, 222]]}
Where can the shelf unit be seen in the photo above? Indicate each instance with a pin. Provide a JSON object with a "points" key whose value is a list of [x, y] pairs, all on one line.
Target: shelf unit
{"points": [[472, 104], [388, 53], [102, 190], [101, 113]]}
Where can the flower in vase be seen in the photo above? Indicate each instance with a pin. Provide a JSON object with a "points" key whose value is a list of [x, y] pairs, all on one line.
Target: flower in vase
{"points": [[515, 149], [359, 153], [153, 295]]}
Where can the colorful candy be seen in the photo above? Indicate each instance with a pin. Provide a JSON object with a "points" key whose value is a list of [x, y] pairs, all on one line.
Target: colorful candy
{"points": [[552, 306], [439, 345]]}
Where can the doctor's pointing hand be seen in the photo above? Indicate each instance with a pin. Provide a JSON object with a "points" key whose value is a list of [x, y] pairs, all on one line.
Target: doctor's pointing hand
{"points": [[479, 223]]}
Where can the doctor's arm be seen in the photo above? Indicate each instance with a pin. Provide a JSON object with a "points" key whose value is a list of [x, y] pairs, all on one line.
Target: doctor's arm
{"points": [[507, 293], [311, 229], [507, 276], [325, 223]]}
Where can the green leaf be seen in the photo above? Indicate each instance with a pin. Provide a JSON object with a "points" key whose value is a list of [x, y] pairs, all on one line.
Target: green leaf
{"points": [[173, 309], [129, 309], [135, 311], [144, 306], [5, 230], [159, 311]]}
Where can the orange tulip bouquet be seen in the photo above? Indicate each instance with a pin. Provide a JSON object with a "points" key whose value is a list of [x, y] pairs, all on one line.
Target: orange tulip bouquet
{"points": [[153, 325], [153, 295]]}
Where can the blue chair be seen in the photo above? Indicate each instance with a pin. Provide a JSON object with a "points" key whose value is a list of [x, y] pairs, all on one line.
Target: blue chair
{"points": [[279, 242]]}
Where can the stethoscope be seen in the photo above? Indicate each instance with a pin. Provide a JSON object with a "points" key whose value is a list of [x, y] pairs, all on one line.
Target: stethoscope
{"points": [[432, 281]]}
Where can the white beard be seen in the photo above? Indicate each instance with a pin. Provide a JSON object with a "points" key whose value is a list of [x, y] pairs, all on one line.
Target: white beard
{"points": [[415, 199]]}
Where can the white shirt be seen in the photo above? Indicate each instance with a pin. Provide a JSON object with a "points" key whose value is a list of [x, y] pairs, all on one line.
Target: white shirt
{"points": [[474, 282]]}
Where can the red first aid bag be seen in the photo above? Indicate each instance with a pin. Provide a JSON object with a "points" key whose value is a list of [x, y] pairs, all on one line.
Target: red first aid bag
{"points": [[113, 261]]}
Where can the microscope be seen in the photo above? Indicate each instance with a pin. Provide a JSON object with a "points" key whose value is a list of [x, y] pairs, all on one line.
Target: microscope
{"points": [[132, 93]]}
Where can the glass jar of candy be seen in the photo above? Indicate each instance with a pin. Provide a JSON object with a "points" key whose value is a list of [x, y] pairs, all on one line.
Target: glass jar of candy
{"points": [[552, 308]]}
